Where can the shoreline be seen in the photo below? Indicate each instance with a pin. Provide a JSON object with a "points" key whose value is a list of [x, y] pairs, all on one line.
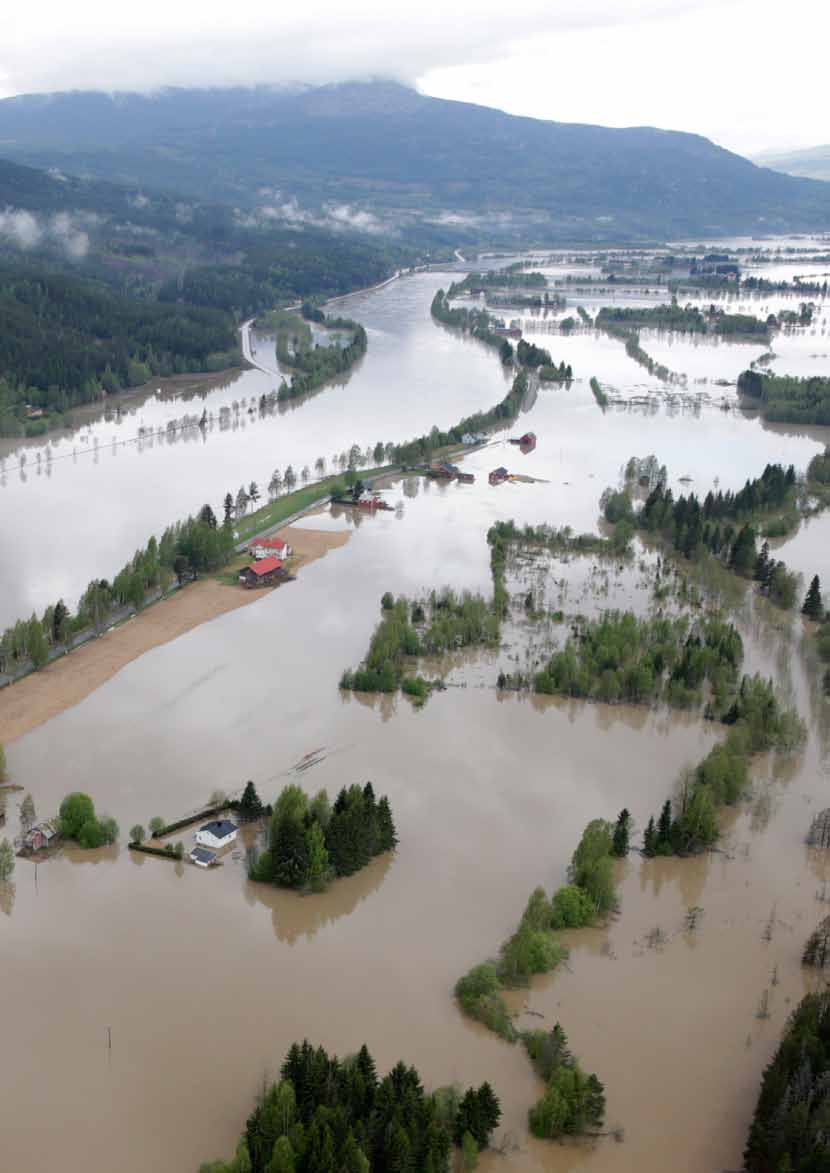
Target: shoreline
{"points": [[40, 696]]}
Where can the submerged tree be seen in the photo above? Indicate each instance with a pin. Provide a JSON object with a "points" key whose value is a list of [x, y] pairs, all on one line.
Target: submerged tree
{"points": [[27, 812], [819, 833], [6, 860], [621, 833], [817, 950]]}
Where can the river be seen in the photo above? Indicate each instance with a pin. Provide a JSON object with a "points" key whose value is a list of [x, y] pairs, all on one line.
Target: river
{"points": [[204, 980]]}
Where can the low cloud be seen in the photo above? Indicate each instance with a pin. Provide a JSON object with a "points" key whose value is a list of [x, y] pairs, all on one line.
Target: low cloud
{"points": [[65, 230], [331, 216]]}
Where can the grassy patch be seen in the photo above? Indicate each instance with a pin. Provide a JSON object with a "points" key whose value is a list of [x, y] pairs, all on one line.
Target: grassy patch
{"points": [[274, 512]]}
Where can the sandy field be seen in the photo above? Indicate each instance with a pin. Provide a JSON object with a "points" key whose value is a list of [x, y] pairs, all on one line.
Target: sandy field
{"points": [[42, 695]]}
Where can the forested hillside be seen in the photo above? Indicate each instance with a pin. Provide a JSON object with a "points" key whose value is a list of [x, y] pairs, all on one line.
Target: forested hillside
{"points": [[338, 152], [103, 287], [65, 339]]}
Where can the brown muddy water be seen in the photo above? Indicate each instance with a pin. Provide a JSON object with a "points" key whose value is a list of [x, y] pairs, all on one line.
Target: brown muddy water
{"points": [[204, 980]]}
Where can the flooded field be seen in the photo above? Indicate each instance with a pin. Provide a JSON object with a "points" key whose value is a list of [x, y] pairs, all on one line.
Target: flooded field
{"points": [[204, 979]]}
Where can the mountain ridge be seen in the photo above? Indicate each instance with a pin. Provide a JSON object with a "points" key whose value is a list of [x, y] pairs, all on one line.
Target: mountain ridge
{"points": [[387, 150]]}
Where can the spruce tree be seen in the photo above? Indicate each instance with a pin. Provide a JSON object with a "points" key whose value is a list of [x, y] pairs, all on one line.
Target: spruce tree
{"points": [[650, 839], [621, 829], [813, 607], [250, 805], [489, 1113], [664, 829], [762, 564], [386, 837], [228, 507], [289, 853]]}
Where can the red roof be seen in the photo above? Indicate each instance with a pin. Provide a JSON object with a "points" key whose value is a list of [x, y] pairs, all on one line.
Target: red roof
{"points": [[270, 543], [265, 566]]}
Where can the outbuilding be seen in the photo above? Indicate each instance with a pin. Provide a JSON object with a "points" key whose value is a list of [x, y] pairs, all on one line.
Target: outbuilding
{"points": [[216, 834], [42, 836], [263, 572], [203, 858]]}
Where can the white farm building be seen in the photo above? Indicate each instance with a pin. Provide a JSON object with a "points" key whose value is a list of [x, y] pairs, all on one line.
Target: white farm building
{"points": [[216, 834]]}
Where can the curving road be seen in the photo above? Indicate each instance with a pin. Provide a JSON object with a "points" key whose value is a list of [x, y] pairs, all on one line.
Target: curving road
{"points": [[248, 353]]}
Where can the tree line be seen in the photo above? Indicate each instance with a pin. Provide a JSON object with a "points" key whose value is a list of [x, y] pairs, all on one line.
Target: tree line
{"points": [[67, 340], [317, 365], [312, 842], [758, 723], [788, 398], [426, 627], [788, 1133], [184, 551], [327, 1115], [481, 325], [723, 525], [573, 1101], [422, 448]]}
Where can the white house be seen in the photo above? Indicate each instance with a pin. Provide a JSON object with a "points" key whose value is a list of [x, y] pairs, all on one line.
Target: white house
{"points": [[216, 834], [270, 547]]}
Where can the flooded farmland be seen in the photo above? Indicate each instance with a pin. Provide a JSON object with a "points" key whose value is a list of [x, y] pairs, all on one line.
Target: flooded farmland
{"points": [[204, 979]]}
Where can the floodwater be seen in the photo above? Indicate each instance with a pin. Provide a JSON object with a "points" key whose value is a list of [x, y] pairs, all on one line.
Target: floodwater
{"points": [[204, 980]]}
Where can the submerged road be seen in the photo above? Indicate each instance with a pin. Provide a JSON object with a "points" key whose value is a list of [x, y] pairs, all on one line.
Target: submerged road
{"points": [[248, 353]]}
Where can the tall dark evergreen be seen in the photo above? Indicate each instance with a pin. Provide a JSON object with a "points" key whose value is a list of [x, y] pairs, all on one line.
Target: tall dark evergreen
{"points": [[664, 828], [621, 833], [813, 606], [250, 805], [650, 839], [387, 838]]}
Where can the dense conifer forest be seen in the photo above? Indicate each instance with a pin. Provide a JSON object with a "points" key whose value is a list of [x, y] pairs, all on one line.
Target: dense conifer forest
{"points": [[311, 842], [787, 399], [330, 1115], [66, 340], [789, 1132]]}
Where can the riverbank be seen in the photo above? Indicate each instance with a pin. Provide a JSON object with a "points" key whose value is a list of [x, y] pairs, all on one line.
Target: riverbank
{"points": [[45, 694]]}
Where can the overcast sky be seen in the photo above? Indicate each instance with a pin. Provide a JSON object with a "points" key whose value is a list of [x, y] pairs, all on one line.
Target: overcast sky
{"points": [[746, 73]]}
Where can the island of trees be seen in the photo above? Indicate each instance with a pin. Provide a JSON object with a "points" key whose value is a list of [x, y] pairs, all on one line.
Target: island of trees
{"points": [[311, 842], [620, 657], [686, 319], [429, 626], [78, 821], [327, 1115], [313, 365], [787, 399]]}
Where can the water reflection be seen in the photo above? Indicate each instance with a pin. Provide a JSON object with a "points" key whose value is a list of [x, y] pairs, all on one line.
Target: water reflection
{"points": [[296, 916]]}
